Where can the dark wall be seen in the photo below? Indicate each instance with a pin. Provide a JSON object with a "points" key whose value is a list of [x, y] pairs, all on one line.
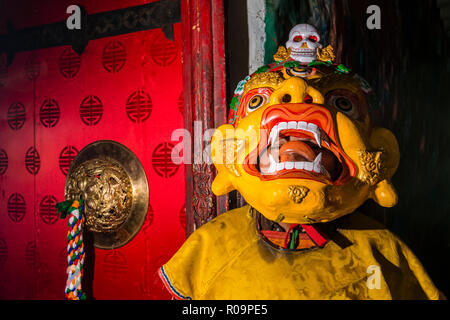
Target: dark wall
{"points": [[408, 64], [236, 33]]}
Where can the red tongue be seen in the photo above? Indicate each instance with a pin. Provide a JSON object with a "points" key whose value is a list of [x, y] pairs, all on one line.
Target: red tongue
{"points": [[296, 151]]}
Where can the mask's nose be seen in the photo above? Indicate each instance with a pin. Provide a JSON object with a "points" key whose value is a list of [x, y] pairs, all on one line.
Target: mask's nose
{"points": [[296, 90]]}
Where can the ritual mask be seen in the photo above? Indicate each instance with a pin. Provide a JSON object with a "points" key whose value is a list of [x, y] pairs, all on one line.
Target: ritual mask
{"points": [[300, 146]]}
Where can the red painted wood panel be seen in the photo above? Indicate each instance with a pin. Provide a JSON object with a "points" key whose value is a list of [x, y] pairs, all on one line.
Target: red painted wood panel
{"points": [[126, 88]]}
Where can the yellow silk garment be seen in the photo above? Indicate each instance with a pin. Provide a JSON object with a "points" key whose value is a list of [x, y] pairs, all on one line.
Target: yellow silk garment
{"points": [[226, 259]]}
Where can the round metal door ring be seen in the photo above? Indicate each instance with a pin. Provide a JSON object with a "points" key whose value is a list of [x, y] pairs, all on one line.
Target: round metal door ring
{"points": [[112, 183]]}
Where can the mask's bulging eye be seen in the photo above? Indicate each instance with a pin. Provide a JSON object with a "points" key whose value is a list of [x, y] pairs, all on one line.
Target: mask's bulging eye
{"points": [[298, 38], [313, 38], [345, 102], [253, 100], [256, 102]]}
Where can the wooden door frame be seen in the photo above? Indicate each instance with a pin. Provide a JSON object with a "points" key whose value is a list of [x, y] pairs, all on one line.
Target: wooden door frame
{"points": [[203, 33]]}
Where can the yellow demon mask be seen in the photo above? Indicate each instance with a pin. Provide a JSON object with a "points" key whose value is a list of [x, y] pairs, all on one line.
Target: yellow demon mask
{"points": [[299, 145], [301, 148]]}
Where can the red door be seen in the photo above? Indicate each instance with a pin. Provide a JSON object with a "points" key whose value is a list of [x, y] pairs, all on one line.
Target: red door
{"points": [[53, 103]]}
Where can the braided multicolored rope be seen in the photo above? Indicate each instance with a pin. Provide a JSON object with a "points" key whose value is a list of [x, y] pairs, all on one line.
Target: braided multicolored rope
{"points": [[75, 247]]}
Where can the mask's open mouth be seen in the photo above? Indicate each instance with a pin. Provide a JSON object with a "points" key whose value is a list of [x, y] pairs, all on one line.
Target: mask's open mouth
{"points": [[304, 147], [307, 149]]}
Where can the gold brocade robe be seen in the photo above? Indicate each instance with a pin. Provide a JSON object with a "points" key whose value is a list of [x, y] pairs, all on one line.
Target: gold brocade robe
{"points": [[226, 259]]}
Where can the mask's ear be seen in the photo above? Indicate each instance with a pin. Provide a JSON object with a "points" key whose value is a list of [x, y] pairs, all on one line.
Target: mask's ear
{"points": [[384, 192], [223, 153]]}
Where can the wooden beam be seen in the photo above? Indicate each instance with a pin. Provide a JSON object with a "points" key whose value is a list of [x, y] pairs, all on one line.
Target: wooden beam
{"points": [[205, 102]]}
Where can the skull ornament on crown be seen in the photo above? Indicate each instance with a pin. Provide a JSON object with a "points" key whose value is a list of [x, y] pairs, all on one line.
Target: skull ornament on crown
{"points": [[303, 42]]}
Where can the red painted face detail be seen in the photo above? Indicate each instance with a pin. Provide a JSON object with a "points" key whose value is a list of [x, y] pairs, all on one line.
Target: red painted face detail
{"points": [[313, 38], [299, 133], [298, 38]]}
